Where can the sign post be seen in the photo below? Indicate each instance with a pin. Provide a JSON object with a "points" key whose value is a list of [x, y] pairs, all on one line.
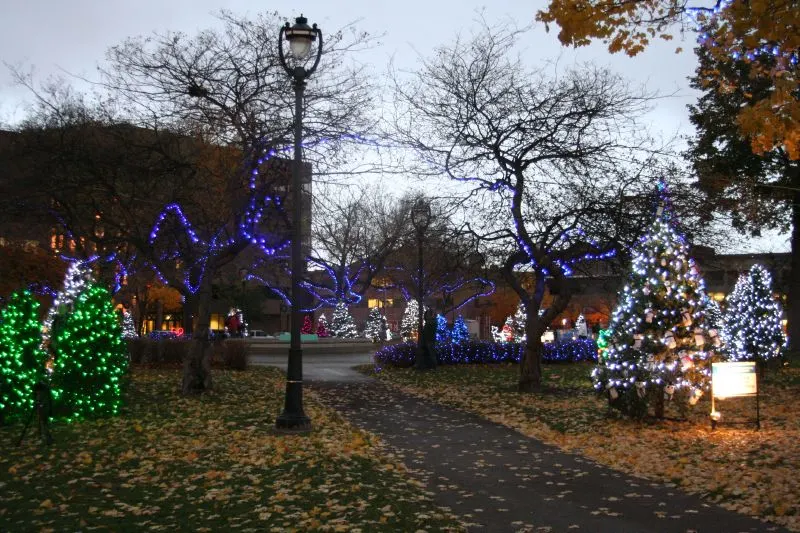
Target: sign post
{"points": [[733, 380]]}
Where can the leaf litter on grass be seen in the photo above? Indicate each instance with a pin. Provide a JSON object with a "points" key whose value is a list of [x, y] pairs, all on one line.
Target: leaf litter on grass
{"points": [[172, 463]]}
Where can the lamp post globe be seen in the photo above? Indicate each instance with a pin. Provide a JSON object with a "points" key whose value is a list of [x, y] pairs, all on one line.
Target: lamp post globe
{"points": [[421, 219], [301, 38]]}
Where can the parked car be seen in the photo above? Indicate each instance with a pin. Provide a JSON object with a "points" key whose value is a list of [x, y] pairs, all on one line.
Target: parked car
{"points": [[257, 333]]}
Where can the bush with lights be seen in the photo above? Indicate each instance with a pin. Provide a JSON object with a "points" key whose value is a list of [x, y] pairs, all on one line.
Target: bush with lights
{"points": [[752, 321], [659, 345], [90, 359], [21, 357], [486, 352]]}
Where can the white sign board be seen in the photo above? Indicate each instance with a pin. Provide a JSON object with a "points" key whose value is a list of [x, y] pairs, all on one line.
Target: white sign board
{"points": [[729, 380]]}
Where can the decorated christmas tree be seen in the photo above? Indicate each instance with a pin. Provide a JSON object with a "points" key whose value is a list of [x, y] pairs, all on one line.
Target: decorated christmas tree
{"points": [[410, 321], [78, 275], [307, 328], [442, 331], [374, 325], [460, 332], [519, 321], [752, 321], [91, 359], [21, 357], [322, 326], [342, 323], [659, 346], [128, 327]]}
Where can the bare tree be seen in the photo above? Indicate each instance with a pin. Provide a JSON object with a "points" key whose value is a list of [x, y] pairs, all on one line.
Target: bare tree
{"points": [[546, 163]]}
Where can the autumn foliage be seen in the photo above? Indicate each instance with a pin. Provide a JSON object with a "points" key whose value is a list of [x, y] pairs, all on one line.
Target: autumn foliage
{"points": [[763, 33]]}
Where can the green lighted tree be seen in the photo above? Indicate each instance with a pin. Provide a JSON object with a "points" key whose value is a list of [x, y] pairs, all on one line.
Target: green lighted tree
{"points": [[21, 358], [90, 359]]}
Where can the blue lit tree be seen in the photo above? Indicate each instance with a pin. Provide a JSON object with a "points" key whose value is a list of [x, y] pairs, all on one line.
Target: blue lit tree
{"points": [[752, 321], [21, 357], [659, 343], [460, 331]]}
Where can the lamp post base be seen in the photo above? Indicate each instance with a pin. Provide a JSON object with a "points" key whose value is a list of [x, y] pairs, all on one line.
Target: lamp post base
{"points": [[292, 423]]}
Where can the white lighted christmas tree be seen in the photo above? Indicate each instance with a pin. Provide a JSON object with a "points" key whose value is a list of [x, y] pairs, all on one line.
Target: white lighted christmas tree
{"points": [[76, 279], [714, 316], [659, 345], [520, 319], [128, 327], [410, 321], [581, 328], [342, 323], [374, 325], [752, 321]]}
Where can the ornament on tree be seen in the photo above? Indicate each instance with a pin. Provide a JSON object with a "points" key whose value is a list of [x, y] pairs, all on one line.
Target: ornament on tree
{"points": [[699, 336], [637, 340], [687, 319], [669, 340]]}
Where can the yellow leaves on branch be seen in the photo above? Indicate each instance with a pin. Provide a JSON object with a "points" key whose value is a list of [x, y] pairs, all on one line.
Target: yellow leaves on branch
{"points": [[740, 28]]}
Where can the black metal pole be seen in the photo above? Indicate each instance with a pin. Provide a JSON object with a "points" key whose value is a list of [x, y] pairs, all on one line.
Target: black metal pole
{"points": [[420, 309], [293, 417]]}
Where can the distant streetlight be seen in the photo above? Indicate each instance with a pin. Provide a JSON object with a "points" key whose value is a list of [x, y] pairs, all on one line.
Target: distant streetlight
{"points": [[421, 219], [301, 37]]}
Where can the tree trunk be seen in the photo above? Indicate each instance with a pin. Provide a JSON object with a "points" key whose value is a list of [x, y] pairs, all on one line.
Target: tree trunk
{"points": [[197, 363], [793, 301], [530, 368]]}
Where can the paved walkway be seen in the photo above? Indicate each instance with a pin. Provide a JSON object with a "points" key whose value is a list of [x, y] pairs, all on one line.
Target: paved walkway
{"points": [[502, 481]]}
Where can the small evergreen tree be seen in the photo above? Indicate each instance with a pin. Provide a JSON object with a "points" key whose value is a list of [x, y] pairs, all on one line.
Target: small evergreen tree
{"points": [[91, 359], [75, 281], [21, 356], [442, 331], [507, 333], [519, 321], [460, 331], [342, 323], [581, 329], [374, 325], [714, 316], [307, 328], [659, 344], [410, 321], [322, 326], [128, 327], [752, 321]]}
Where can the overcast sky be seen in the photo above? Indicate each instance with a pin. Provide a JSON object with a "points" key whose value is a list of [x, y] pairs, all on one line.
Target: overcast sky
{"points": [[71, 37]]}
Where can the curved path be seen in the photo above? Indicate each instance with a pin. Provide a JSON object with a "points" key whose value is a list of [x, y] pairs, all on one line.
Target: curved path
{"points": [[501, 481]]}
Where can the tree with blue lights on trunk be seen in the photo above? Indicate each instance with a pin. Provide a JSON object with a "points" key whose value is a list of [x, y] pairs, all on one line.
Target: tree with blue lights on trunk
{"points": [[540, 158], [752, 320], [659, 344], [190, 166]]}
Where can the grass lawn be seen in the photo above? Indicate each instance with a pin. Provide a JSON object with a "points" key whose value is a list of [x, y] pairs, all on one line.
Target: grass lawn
{"points": [[209, 463], [752, 472]]}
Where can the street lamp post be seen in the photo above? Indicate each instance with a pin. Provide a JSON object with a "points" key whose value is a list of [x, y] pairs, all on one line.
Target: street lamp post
{"points": [[301, 38], [420, 218]]}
